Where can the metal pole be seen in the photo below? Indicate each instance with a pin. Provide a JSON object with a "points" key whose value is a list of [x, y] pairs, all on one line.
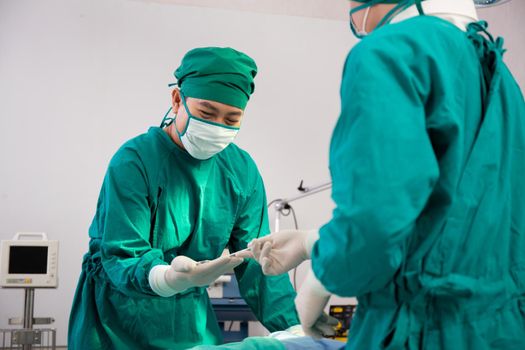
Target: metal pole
{"points": [[280, 204], [29, 304], [309, 192], [54, 339], [277, 219]]}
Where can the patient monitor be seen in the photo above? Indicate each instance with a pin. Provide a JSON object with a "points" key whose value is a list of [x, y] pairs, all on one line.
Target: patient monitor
{"points": [[29, 260]]}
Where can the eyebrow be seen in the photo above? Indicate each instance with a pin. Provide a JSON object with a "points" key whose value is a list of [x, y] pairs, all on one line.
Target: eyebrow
{"points": [[209, 106], [216, 110], [234, 114]]}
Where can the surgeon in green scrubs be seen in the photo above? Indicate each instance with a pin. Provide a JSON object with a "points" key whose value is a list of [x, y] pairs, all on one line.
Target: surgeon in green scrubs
{"points": [[171, 198], [428, 167]]}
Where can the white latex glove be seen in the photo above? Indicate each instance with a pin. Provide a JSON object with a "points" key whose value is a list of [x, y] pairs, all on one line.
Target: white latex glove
{"points": [[184, 273], [296, 330], [310, 303], [282, 251]]}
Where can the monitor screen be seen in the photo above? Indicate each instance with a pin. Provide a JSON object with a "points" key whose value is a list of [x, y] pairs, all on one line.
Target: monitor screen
{"points": [[28, 260]]}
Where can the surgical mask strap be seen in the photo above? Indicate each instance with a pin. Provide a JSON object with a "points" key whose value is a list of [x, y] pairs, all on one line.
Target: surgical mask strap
{"points": [[397, 9], [388, 17], [400, 8], [368, 5], [365, 19], [420, 7], [364, 6], [357, 33], [183, 98], [167, 121]]}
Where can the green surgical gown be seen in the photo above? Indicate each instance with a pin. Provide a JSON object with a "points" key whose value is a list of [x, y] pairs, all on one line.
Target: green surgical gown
{"points": [[157, 202], [428, 168], [251, 343]]}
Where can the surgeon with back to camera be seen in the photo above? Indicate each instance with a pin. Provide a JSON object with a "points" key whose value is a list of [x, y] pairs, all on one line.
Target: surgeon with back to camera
{"points": [[427, 162], [171, 198]]}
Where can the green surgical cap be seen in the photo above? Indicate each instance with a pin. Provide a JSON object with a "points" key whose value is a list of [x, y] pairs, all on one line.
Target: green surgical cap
{"points": [[217, 74], [380, 1], [401, 5]]}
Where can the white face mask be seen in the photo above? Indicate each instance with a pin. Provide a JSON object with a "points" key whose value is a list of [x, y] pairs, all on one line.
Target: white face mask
{"points": [[203, 139]]}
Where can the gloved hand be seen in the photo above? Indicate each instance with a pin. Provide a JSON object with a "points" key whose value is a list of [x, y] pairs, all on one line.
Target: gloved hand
{"points": [[310, 303], [184, 273], [282, 251]]}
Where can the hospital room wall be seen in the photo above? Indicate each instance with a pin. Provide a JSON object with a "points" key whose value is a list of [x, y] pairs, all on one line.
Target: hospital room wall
{"points": [[78, 78]]}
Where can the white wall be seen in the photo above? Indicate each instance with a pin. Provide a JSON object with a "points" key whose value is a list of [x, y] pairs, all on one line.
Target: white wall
{"points": [[78, 78]]}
